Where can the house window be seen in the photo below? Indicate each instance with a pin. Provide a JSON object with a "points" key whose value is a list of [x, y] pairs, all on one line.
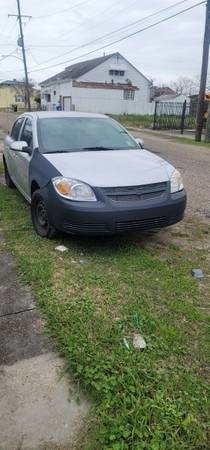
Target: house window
{"points": [[20, 98], [47, 98], [54, 92], [128, 95], [118, 73]]}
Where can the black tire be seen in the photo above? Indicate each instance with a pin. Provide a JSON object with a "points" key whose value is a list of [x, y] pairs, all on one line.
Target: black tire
{"points": [[8, 180], [40, 217]]}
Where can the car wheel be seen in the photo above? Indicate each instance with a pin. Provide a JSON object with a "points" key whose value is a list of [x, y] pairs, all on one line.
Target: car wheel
{"points": [[40, 217], [8, 180]]}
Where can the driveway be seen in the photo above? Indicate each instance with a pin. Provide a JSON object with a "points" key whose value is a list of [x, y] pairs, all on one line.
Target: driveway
{"points": [[194, 164]]}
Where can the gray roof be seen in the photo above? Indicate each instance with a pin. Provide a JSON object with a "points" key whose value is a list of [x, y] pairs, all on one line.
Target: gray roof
{"points": [[11, 83], [77, 70], [166, 97]]}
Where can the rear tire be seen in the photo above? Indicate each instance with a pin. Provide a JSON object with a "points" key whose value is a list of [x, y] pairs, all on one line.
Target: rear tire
{"points": [[8, 180], [40, 217]]}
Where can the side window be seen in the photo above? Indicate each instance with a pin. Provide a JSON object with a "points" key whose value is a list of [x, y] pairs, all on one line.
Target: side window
{"points": [[27, 134], [16, 128]]}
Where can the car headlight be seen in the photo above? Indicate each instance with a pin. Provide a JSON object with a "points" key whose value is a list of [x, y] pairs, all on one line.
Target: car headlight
{"points": [[73, 189], [176, 182]]}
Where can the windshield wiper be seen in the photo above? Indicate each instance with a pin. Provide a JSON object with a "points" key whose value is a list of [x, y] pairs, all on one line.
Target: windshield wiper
{"points": [[58, 151], [97, 148]]}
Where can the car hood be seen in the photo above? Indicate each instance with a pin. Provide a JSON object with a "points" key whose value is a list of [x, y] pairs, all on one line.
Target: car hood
{"points": [[112, 167]]}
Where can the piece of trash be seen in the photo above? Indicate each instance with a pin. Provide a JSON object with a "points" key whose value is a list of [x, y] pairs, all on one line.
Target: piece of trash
{"points": [[61, 248], [83, 262], [197, 273], [139, 342], [126, 343]]}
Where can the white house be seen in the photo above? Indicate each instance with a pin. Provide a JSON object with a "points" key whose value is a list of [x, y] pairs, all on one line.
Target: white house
{"points": [[172, 98], [109, 84]]}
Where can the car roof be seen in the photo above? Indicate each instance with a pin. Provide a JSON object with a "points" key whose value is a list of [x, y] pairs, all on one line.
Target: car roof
{"points": [[57, 114]]}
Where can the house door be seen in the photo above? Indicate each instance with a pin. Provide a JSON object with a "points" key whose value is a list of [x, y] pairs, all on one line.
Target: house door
{"points": [[67, 104]]}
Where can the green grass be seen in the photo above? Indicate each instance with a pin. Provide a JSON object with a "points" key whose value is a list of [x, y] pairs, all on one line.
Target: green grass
{"points": [[156, 399], [147, 121], [134, 120], [185, 140]]}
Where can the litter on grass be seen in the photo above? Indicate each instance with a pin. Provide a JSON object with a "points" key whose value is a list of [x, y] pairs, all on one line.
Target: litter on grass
{"points": [[197, 273], [83, 262], [139, 342], [61, 248], [126, 343]]}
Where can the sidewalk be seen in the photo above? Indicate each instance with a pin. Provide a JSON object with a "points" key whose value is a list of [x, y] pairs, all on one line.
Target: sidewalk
{"points": [[35, 409]]}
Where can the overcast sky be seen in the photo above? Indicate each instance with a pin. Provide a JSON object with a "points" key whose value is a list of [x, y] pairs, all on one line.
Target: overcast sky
{"points": [[162, 53]]}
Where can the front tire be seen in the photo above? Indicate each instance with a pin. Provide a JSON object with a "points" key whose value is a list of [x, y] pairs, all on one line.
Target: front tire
{"points": [[40, 217], [8, 180]]}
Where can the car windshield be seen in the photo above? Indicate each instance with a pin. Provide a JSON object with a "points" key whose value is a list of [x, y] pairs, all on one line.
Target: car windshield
{"points": [[64, 134]]}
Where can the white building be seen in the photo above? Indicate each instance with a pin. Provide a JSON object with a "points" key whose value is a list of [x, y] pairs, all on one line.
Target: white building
{"points": [[172, 98], [109, 84]]}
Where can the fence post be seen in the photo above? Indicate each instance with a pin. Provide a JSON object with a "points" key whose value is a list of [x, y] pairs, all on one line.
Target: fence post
{"points": [[183, 116], [155, 115]]}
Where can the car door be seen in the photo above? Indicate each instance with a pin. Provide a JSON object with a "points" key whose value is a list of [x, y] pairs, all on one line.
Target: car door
{"points": [[23, 159], [11, 155]]}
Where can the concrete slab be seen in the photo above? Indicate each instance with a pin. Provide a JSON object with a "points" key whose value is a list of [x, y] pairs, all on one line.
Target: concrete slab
{"points": [[36, 411], [13, 296], [21, 337]]}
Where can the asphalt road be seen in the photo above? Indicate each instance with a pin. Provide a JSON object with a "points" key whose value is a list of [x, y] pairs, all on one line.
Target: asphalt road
{"points": [[194, 165]]}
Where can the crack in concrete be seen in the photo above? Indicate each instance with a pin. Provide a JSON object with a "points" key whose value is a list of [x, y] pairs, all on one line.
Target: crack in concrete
{"points": [[17, 312]]}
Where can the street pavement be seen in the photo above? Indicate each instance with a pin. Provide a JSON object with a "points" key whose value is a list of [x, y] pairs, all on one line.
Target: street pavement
{"points": [[194, 165]]}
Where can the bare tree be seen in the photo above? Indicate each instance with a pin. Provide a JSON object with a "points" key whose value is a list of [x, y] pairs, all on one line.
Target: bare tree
{"points": [[185, 85], [20, 89]]}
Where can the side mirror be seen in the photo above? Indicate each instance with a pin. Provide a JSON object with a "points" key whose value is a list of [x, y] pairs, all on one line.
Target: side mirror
{"points": [[20, 146], [140, 142]]}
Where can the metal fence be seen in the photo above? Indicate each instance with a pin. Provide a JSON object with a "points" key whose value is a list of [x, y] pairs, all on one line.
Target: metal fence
{"points": [[173, 116]]}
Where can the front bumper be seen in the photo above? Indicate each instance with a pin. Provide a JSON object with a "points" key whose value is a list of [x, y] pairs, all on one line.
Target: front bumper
{"points": [[104, 217]]}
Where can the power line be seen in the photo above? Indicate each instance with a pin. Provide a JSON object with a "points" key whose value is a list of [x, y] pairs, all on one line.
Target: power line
{"points": [[122, 38], [37, 46], [104, 11], [117, 30], [62, 10], [7, 56]]}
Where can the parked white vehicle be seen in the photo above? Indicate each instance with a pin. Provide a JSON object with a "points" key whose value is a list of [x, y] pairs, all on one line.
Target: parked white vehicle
{"points": [[85, 174]]}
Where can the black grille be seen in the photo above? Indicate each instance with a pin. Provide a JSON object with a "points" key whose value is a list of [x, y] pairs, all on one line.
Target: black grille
{"points": [[135, 193], [84, 227], [144, 224]]}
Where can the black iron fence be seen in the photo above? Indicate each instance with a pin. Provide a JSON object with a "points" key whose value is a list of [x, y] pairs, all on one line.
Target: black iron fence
{"points": [[174, 116]]}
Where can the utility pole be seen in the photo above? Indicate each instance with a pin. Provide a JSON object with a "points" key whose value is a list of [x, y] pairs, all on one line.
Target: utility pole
{"points": [[204, 69], [21, 44], [207, 137]]}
